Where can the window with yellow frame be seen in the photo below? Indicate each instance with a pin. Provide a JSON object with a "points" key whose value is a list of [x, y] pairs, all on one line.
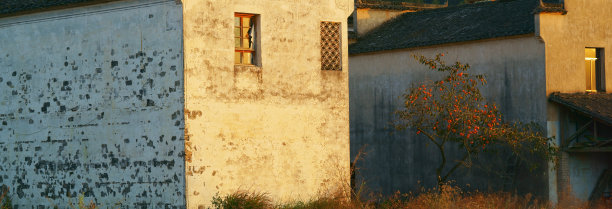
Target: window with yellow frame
{"points": [[244, 39]]}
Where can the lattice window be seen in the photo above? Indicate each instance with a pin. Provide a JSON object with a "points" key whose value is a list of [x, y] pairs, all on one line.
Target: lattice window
{"points": [[331, 46]]}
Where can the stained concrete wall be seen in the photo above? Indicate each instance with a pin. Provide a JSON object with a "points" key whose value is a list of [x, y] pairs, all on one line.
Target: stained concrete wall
{"points": [[403, 161], [585, 169], [280, 127], [586, 24], [92, 104]]}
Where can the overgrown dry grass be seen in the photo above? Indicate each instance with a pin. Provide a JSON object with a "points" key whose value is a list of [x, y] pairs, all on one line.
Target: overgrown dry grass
{"points": [[449, 197]]}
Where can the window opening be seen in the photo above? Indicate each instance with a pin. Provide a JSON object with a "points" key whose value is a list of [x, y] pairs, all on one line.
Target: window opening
{"points": [[244, 39], [594, 69]]}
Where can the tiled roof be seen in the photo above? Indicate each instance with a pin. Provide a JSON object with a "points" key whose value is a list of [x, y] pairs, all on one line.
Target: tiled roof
{"points": [[10, 7], [395, 5], [547, 6], [467, 22], [596, 105]]}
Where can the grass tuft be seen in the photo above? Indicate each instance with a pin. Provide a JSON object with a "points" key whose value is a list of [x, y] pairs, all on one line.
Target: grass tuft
{"points": [[242, 200], [448, 197]]}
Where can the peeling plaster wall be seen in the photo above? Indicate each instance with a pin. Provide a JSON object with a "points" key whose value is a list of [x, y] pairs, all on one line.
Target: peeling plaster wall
{"points": [[404, 161], [586, 24], [280, 128], [92, 103]]}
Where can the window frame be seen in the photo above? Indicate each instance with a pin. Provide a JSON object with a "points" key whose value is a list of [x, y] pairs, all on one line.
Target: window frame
{"points": [[599, 72], [252, 50]]}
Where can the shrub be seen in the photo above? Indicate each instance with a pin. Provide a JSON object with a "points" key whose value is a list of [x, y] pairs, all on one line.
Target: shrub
{"points": [[447, 196], [242, 200]]}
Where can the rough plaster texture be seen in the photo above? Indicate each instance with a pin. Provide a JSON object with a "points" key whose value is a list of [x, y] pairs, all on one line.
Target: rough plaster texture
{"points": [[92, 104], [368, 19], [403, 161], [586, 24], [281, 127]]}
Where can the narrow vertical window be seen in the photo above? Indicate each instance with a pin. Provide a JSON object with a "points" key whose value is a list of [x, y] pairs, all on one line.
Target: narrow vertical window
{"points": [[331, 46], [244, 39], [594, 70]]}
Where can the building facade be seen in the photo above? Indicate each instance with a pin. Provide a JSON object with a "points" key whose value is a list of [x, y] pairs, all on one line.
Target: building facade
{"points": [[163, 104], [92, 105], [278, 126], [526, 49]]}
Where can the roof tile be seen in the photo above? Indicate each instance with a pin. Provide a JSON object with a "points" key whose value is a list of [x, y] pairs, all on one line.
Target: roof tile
{"points": [[451, 24], [11, 7], [597, 105]]}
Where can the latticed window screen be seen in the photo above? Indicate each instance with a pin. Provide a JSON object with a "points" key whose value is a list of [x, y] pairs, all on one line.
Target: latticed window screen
{"points": [[331, 47]]}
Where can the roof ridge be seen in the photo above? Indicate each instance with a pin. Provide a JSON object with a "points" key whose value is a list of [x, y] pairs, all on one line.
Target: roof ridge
{"points": [[478, 4], [396, 5]]}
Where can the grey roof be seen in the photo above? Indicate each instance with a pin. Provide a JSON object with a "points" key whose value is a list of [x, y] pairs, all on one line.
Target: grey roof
{"points": [[467, 22], [596, 105], [395, 5], [12, 7]]}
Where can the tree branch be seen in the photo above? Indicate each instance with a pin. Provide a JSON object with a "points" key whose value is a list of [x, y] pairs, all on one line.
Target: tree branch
{"points": [[431, 138], [462, 161]]}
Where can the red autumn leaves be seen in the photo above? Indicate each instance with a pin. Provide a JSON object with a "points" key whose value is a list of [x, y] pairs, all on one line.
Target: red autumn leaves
{"points": [[450, 107], [453, 109]]}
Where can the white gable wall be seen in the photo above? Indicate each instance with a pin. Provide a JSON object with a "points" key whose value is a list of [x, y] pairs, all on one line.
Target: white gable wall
{"points": [[92, 103]]}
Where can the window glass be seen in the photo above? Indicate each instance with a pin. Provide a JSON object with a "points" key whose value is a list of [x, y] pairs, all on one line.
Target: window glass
{"points": [[246, 58], [237, 57], [237, 42], [590, 58], [246, 43], [245, 32], [236, 32], [246, 21]]}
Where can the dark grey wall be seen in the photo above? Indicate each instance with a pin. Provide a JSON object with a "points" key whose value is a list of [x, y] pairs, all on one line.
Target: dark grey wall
{"points": [[404, 161]]}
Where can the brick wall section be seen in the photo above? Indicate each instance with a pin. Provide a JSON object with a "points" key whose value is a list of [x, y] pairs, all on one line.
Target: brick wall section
{"points": [[91, 103], [563, 179]]}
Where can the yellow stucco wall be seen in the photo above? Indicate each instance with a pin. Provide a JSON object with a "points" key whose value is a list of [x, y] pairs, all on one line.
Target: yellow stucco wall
{"points": [[587, 24], [281, 128]]}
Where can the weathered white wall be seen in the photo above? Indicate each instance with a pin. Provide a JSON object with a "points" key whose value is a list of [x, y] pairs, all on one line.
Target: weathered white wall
{"points": [[514, 68], [92, 103], [281, 128]]}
